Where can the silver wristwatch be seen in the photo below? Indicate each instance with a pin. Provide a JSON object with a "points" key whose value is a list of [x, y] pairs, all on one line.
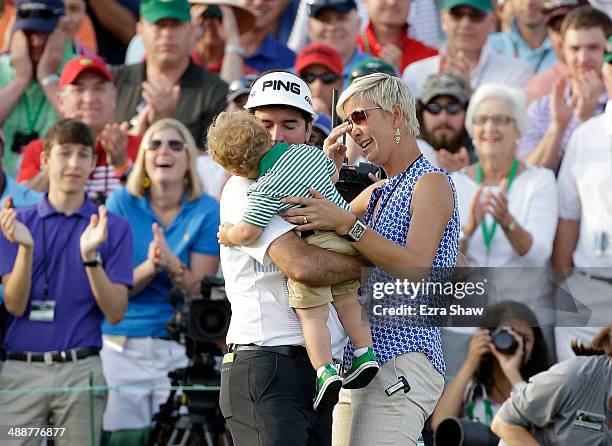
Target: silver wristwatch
{"points": [[356, 232]]}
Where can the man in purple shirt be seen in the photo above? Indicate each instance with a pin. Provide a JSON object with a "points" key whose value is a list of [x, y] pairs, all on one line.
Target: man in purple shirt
{"points": [[65, 266]]}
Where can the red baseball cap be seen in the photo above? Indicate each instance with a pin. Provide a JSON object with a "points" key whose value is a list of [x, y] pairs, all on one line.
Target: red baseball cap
{"points": [[319, 54], [75, 67]]}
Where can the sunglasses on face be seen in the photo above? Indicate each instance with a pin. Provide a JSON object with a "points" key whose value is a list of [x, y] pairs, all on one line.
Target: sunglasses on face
{"points": [[474, 15], [436, 109], [174, 144], [40, 13], [495, 119], [359, 116], [327, 77]]}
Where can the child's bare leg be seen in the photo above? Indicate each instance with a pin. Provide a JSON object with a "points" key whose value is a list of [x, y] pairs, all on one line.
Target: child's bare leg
{"points": [[316, 334], [353, 319]]}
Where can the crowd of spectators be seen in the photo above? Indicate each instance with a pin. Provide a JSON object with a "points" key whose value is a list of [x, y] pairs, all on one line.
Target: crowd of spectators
{"points": [[104, 111]]}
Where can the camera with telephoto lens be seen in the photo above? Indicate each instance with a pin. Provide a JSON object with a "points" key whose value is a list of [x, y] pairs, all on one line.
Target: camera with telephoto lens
{"points": [[354, 179], [20, 140], [504, 341], [461, 432]]}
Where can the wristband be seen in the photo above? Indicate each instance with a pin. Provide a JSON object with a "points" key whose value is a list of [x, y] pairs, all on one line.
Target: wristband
{"points": [[236, 49], [49, 79]]}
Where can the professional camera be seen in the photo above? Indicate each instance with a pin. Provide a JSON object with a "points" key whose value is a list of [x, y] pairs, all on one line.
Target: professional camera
{"points": [[200, 323], [20, 140], [460, 432], [354, 179], [504, 341]]}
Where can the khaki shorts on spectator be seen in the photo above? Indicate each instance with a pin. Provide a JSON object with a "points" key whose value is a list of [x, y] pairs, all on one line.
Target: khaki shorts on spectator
{"points": [[304, 296]]}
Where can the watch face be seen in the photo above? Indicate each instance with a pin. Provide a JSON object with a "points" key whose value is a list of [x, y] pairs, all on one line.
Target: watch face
{"points": [[357, 230]]}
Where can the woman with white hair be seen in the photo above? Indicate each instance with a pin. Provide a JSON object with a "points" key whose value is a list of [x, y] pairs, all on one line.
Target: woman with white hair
{"points": [[175, 246], [409, 231], [508, 209]]}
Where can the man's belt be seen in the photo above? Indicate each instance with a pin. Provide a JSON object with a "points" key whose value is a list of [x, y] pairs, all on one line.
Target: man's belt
{"points": [[293, 351], [51, 357]]}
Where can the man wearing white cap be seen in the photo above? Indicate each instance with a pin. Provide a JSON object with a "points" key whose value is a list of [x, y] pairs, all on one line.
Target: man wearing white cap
{"points": [[267, 382]]}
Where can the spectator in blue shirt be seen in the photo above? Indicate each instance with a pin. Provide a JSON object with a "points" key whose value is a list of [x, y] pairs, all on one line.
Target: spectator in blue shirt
{"points": [[262, 50], [65, 266], [175, 246]]}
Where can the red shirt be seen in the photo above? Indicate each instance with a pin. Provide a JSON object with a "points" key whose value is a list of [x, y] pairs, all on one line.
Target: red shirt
{"points": [[30, 164], [412, 50]]}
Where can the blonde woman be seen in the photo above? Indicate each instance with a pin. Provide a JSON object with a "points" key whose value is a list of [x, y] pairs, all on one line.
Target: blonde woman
{"points": [[175, 245]]}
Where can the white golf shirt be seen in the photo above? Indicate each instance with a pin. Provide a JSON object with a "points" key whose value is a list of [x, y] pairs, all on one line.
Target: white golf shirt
{"points": [[257, 289]]}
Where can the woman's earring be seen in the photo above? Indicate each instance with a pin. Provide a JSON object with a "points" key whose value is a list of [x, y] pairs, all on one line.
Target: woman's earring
{"points": [[397, 136], [146, 182]]}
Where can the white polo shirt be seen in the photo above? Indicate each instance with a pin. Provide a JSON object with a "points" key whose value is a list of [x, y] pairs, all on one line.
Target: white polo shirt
{"points": [[257, 289], [585, 192]]}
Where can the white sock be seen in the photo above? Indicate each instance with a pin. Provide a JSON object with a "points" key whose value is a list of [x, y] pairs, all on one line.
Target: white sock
{"points": [[361, 351], [321, 370]]}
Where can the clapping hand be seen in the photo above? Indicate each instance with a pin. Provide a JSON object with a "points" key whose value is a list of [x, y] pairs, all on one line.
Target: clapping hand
{"points": [[161, 95], [13, 229], [222, 234], [159, 253], [95, 234], [451, 162], [114, 141], [497, 205]]}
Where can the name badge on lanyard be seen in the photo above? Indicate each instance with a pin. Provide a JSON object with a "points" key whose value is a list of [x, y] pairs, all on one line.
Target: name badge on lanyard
{"points": [[42, 311], [589, 420]]}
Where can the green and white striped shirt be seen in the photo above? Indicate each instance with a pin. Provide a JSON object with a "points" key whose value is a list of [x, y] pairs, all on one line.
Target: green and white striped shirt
{"points": [[288, 171]]}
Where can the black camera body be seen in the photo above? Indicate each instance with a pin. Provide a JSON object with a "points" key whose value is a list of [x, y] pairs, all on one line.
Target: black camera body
{"points": [[20, 140], [201, 319], [504, 341], [355, 178]]}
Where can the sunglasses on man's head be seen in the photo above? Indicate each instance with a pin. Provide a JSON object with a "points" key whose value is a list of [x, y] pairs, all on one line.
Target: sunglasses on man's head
{"points": [[327, 77], [436, 109], [359, 116], [40, 13], [174, 144], [474, 15]]}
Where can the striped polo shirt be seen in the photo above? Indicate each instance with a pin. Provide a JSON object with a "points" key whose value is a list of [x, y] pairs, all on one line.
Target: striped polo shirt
{"points": [[289, 171]]}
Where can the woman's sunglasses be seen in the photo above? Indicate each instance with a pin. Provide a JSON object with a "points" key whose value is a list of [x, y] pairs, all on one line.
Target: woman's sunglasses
{"points": [[360, 116], [436, 109], [327, 77], [174, 144]]}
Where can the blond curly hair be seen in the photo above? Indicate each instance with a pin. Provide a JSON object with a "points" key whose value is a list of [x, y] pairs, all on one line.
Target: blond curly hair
{"points": [[236, 141]]}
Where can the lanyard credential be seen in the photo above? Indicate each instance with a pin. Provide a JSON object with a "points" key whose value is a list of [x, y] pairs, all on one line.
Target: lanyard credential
{"points": [[489, 232]]}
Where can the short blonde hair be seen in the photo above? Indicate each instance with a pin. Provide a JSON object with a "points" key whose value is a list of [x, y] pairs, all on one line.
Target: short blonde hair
{"points": [[135, 181], [383, 91], [236, 140]]}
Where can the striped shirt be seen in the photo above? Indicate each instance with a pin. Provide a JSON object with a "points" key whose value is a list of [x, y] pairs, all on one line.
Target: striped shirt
{"points": [[289, 171]]}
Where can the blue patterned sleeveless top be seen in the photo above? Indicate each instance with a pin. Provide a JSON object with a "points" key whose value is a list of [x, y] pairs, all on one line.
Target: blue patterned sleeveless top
{"points": [[394, 336]]}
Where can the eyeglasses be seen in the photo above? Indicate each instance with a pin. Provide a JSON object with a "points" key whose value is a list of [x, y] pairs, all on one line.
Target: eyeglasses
{"points": [[360, 116], [474, 15], [436, 109], [41, 13], [174, 144], [327, 77], [495, 119]]}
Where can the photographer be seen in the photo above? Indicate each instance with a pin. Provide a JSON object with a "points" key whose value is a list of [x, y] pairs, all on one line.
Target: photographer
{"points": [[488, 375], [570, 404], [175, 246], [29, 75]]}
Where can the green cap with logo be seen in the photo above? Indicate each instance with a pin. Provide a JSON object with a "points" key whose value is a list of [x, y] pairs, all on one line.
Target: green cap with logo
{"points": [[608, 56], [155, 10], [481, 5]]}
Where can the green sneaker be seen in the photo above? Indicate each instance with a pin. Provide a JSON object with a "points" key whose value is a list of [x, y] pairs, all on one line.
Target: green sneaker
{"points": [[363, 370], [328, 387]]}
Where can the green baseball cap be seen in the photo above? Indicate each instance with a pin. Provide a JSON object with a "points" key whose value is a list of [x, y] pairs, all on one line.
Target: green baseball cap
{"points": [[155, 10], [481, 5], [608, 56]]}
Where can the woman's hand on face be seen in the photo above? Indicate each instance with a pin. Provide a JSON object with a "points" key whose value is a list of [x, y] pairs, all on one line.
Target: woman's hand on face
{"points": [[477, 212], [334, 148], [511, 364], [318, 213], [480, 344]]}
